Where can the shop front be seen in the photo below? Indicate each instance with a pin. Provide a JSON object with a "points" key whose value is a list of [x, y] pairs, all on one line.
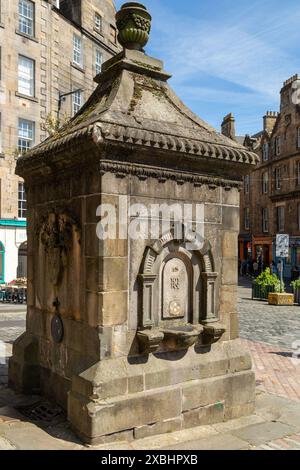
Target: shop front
{"points": [[262, 251]]}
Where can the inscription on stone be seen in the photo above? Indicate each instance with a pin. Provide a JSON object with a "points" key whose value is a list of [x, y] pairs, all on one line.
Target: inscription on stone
{"points": [[175, 289]]}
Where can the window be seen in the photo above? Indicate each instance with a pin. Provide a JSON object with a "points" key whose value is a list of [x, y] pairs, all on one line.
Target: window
{"points": [[77, 50], [298, 210], [247, 184], [247, 218], [25, 135], [278, 179], [98, 22], [277, 145], [113, 34], [280, 218], [26, 17], [26, 71], [265, 220], [265, 183], [265, 152], [99, 61], [21, 201], [77, 101]]}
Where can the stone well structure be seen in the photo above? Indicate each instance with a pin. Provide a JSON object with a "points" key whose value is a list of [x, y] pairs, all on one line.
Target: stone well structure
{"points": [[134, 336]]}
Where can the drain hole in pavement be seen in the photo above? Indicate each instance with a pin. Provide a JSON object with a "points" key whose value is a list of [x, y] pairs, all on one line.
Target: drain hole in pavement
{"points": [[43, 413]]}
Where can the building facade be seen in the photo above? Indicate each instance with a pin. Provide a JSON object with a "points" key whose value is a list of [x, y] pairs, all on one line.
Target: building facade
{"points": [[50, 52], [270, 199]]}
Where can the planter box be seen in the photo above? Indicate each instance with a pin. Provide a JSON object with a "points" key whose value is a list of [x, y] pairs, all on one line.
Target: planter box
{"points": [[297, 295], [261, 293], [281, 299]]}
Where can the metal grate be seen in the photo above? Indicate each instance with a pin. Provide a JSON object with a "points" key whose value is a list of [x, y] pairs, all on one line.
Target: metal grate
{"points": [[44, 413]]}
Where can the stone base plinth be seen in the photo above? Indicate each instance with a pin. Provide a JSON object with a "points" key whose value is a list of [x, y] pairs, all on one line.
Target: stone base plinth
{"points": [[141, 397], [281, 299]]}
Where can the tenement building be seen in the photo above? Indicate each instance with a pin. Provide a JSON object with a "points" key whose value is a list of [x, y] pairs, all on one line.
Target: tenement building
{"points": [[270, 199], [50, 51]]}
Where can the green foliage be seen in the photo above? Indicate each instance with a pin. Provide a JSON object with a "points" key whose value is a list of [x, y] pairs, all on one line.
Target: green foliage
{"points": [[266, 279], [295, 284]]}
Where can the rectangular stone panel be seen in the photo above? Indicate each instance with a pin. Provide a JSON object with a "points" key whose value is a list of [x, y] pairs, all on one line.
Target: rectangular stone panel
{"points": [[113, 308]]}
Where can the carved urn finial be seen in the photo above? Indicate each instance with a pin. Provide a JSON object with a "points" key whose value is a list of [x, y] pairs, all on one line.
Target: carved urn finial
{"points": [[134, 24]]}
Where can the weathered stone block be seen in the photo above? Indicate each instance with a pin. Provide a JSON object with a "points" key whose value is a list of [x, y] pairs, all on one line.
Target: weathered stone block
{"points": [[106, 274], [162, 427], [228, 298], [210, 414], [114, 416], [229, 244], [231, 218], [230, 272], [231, 197], [113, 308]]}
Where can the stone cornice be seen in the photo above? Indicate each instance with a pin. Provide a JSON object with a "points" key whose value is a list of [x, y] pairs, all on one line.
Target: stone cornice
{"points": [[110, 133], [121, 170]]}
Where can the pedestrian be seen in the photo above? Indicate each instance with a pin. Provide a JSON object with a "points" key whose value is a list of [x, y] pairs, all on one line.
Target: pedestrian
{"points": [[295, 273], [255, 268]]}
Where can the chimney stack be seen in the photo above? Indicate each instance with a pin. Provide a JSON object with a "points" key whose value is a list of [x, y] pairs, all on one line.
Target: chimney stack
{"points": [[228, 126], [270, 120]]}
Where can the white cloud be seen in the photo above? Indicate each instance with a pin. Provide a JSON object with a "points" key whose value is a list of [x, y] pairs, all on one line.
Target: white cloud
{"points": [[241, 49]]}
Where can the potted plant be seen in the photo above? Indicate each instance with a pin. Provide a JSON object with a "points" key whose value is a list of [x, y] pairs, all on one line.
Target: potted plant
{"points": [[264, 284], [296, 289]]}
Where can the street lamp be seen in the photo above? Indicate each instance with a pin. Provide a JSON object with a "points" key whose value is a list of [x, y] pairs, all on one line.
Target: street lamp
{"points": [[62, 97]]}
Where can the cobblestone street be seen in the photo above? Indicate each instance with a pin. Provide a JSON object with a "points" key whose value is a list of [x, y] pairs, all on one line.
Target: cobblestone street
{"points": [[266, 323]]}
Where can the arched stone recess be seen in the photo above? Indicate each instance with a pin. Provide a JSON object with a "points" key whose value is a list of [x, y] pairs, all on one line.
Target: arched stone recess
{"points": [[178, 284]]}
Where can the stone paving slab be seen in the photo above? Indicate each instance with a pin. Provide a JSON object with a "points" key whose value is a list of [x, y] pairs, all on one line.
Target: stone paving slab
{"points": [[263, 432], [27, 436], [219, 442], [278, 409]]}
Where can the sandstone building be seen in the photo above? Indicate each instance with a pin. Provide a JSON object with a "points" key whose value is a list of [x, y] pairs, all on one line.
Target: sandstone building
{"points": [[270, 199], [50, 52]]}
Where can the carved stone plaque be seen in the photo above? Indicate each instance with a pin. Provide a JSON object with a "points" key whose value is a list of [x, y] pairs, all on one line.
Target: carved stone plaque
{"points": [[175, 289]]}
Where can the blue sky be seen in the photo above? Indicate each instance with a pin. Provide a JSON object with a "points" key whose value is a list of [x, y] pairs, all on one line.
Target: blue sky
{"points": [[227, 55]]}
